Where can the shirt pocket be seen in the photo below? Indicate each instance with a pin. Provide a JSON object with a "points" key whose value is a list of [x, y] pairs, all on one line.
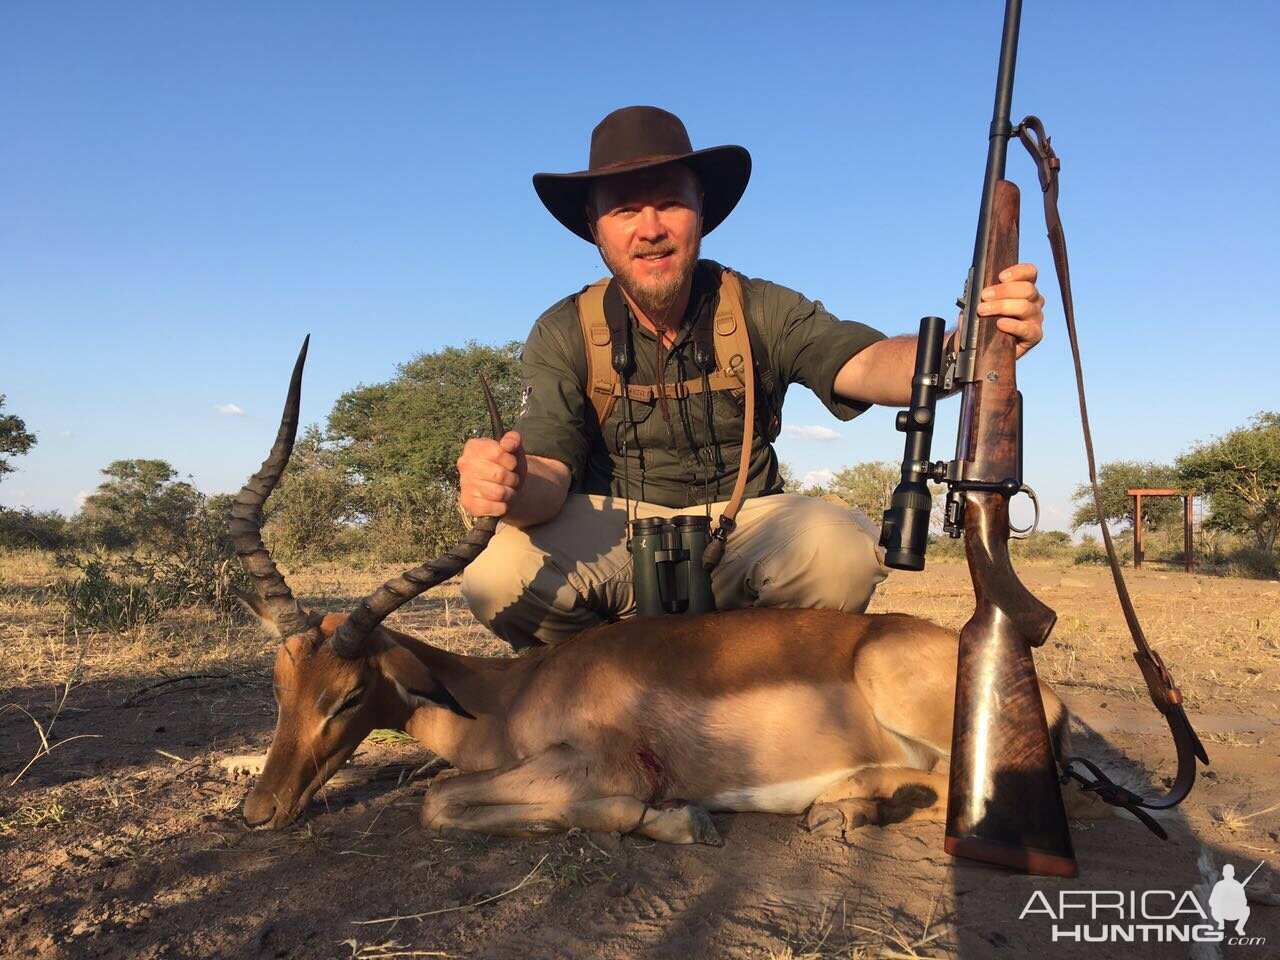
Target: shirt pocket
{"points": [[639, 424], [730, 412]]}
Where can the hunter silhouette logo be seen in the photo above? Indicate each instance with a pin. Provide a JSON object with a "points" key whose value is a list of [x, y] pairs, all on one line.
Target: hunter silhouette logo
{"points": [[1227, 900]]}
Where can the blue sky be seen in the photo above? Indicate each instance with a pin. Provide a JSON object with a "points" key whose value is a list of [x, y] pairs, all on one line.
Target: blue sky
{"points": [[188, 189]]}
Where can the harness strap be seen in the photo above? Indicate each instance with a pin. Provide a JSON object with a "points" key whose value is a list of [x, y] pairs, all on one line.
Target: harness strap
{"points": [[1164, 693], [601, 376], [731, 307], [733, 340]]}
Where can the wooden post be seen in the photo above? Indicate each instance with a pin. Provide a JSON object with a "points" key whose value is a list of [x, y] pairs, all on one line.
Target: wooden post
{"points": [[1186, 533], [1137, 531]]}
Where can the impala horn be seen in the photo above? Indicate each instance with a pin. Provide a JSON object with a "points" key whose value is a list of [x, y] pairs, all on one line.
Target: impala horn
{"points": [[352, 636], [246, 519]]}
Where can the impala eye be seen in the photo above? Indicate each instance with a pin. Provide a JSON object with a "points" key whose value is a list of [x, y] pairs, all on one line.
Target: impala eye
{"points": [[353, 700]]}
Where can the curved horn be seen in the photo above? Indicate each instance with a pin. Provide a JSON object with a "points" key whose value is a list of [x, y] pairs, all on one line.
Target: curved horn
{"points": [[352, 636], [246, 516]]}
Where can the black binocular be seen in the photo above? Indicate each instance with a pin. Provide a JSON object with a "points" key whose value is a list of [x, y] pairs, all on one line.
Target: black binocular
{"points": [[667, 560]]}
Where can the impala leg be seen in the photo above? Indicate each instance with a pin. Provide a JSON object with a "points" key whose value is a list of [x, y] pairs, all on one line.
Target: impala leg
{"points": [[879, 796], [686, 823], [550, 792]]}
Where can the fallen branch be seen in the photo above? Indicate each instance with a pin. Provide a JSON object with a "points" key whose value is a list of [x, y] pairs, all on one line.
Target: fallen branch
{"points": [[465, 906], [137, 696], [45, 746]]}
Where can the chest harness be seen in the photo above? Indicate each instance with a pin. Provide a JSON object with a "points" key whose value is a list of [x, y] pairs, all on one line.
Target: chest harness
{"points": [[722, 353]]}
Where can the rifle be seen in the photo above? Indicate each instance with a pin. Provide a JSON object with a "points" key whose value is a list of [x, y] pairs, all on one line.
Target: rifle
{"points": [[1005, 804]]}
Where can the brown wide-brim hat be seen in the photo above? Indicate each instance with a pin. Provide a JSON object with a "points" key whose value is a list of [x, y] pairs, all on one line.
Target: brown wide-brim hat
{"points": [[635, 138]]}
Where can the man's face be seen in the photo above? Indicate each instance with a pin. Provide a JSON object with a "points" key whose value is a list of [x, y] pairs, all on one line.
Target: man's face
{"points": [[648, 226]]}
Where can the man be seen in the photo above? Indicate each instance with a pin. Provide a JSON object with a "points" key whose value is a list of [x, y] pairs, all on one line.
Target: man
{"points": [[562, 481]]}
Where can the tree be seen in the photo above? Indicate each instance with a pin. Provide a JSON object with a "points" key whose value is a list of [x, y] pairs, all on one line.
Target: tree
{"points": [[867, 486], [415, 424], [791, 485], [1239, 474], [14, 439], [1114, 479], [314, 499], [142, 503], [399, 441], [25, 527]]}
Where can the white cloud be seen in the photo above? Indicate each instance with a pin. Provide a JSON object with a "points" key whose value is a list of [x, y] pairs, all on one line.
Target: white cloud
{"points": [[229, 410], [816, 478], [65, 433], [81, 497], [812, 432]]}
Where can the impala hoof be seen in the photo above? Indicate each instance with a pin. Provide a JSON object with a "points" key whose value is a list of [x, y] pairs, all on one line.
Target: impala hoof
{"points": [[824, 821], [839, 818], [702, 829]]}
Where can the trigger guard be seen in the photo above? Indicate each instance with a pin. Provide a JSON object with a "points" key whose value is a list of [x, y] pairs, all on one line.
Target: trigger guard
{"points": [[1022, 533]]}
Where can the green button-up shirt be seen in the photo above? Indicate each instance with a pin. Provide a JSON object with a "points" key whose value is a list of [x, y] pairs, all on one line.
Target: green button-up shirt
{"points": [[691, 456]]}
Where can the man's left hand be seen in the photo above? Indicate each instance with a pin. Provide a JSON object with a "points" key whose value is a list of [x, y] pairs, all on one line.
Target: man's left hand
{"points": [[1017, 306]]}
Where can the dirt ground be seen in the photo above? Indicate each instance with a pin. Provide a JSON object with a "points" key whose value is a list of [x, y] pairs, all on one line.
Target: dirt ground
{"points": [[124, 839]]}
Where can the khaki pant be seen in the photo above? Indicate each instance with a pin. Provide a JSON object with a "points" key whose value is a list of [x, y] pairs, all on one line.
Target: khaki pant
{"points": [[549, 582]]}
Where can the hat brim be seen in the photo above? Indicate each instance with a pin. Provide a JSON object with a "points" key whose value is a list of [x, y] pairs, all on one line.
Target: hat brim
{"points": [[722, 171]]}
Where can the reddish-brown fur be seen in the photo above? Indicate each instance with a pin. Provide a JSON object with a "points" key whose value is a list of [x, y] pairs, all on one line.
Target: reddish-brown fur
{"points": [[745, 709]]}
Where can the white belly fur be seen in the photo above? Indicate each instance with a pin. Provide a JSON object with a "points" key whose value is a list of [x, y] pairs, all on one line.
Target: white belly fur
{"points": [[793, 796]]}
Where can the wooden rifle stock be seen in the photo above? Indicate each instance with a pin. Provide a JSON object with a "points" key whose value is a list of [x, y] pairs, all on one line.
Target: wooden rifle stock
{"points": [[1005, 805]]}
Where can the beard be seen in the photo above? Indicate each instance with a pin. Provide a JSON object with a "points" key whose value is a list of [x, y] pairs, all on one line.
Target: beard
{"points": [[657, 295]]}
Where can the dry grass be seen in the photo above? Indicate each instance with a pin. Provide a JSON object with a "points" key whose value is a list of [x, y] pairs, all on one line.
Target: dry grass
{"points": [[842, 934], [1234, 816], [1221, 638]]}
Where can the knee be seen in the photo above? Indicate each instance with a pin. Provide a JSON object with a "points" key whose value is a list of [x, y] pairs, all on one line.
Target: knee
{"points": [[830, 563], [437, 810], [492, 581]]}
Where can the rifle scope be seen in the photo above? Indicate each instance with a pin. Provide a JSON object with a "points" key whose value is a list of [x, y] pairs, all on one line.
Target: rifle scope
{"points": [[905, 532]]}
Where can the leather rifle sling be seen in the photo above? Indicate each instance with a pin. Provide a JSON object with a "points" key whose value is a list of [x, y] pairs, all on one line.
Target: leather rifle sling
{"points": [[1166, 697]]}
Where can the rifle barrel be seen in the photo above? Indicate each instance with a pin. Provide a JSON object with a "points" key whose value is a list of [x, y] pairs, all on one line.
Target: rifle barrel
{"points": [[1255, 870], [997, 149]]}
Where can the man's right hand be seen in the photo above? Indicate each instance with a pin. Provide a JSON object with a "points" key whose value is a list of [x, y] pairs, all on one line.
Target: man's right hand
{"points": [[491, 471]]}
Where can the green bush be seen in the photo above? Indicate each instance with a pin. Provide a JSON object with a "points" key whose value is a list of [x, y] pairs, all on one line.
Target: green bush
{"points": [[204, 568], [408, 523], [1043, 545], [1253, 564], [311, 509], [112, 593], [945, 548], [23, 528], [120, 591]]}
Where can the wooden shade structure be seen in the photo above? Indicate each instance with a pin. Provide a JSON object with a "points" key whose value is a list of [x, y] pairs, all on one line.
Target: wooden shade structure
{"points": [[1187, 497]]}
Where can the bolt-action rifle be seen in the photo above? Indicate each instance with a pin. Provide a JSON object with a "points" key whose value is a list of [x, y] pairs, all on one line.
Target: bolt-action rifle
{"points": [[1005, 805]]}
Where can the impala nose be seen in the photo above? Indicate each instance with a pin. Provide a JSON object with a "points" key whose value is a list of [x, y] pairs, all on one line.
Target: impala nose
{"points": [[259, 808]]}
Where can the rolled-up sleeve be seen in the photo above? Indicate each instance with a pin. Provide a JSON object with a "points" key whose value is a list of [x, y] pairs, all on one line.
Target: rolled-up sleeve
{"points": [[552, 418], [808, 345]]}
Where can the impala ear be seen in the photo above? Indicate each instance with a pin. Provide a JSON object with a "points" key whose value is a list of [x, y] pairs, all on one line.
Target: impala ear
{"points": [[413, 677], [257, 608]]}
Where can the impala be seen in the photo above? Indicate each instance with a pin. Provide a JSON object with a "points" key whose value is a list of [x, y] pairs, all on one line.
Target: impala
{"points": [[639, 726]]}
